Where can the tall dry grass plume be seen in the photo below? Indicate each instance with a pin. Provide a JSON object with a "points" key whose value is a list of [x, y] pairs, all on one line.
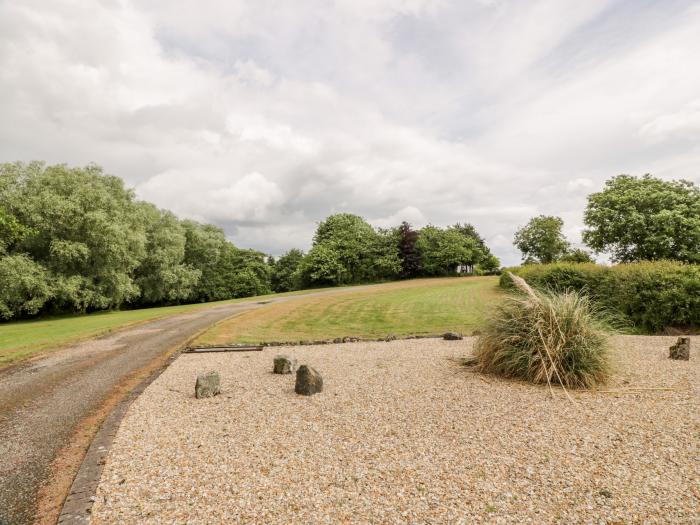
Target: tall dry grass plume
{"points": [[552, 338]]}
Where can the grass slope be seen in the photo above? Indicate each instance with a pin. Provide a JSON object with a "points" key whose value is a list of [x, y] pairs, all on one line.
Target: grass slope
{"points": [[416, 307]]}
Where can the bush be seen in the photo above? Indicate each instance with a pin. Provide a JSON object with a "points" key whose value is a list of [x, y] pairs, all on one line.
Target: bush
{"points": [[546, 337], [559, 277], [648, 295], [653, 295]]}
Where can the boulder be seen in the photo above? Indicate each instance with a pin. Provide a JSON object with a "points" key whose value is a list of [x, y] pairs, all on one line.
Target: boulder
{"points": [[208, 385], [283, 364], [309, 381], [451, 336], [681, 350]]}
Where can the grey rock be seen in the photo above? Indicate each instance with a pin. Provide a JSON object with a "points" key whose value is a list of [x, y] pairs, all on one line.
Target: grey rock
{"points": [[681, 350], [452, 336], [309, 381], [283, 364], [208, 385]]}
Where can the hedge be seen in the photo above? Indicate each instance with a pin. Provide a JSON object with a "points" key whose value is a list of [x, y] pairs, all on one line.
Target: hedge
{"points": [[651, 296]]}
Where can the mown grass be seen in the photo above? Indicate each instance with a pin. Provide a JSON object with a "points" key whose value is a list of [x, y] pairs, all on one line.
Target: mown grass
{"points": [[416, 307], [22, 339]]}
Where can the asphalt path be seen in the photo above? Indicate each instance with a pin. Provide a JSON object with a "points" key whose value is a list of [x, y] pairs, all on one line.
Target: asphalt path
{"points": [[44, 401]]}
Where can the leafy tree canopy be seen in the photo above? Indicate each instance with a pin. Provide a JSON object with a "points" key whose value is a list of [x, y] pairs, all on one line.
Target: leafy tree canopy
{"points": [[284, 271], [346, 250], [577, 256], [442, 250], [644, 218], [85, 229], [541, 239], [75, 239], [409, 255]]}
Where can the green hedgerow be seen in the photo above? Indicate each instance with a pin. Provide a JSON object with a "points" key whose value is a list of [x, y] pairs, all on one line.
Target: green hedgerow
{"points": [[546, 337], [647, 296]]}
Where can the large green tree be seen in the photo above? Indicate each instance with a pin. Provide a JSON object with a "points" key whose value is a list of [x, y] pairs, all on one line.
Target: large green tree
{"points": [[541, 239], [346, 250], [24, 286], [284, 271], [409, 255], [226, 271], [75, 239], [442, 250], [644, 218], [483, 260], [84, 228], [322, 266], [353, 239], [162, 276]]}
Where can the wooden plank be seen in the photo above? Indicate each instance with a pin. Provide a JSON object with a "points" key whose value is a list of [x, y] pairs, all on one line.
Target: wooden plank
{"points": [[205, 349]]}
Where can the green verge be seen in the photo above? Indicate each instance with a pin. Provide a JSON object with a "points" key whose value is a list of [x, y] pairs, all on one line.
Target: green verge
{"points": [[417, 307]]}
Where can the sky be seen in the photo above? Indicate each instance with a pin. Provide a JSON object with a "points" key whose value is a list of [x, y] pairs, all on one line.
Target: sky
{"points": [[265, 117]]}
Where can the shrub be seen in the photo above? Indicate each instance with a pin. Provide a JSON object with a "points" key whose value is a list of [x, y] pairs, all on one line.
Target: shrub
{"points": [[546, 337], [559, 277], [653, 295], [647, 295]]}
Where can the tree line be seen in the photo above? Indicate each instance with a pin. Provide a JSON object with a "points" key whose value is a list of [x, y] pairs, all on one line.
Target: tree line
{"points": [[632, 219], [348, 250], [76, 240]]}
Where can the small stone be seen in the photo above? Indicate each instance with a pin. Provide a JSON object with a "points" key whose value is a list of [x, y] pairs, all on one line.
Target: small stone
{"points": [[452, 336], [605, 493], [283, 364], [309, 381], [681, 350], [207, 385], [390, 337]]}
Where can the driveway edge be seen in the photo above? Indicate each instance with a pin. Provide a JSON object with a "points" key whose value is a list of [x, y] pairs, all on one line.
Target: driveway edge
{"points": [[77, 507]]}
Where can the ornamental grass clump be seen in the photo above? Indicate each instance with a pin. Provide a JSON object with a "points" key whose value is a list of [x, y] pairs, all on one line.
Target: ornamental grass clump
{"points": [[545, 337]]}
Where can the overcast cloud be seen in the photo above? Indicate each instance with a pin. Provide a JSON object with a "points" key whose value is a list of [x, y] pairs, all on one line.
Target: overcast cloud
{"points": [[265, 117]]}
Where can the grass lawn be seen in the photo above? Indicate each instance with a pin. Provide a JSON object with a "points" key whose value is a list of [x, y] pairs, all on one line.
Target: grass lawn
{"points": [[416, 307], [22, 339]]}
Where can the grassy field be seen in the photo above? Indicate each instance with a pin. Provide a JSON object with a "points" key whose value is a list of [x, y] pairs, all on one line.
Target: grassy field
{"points": [[423, 306], [416, 307], [22, 339]]}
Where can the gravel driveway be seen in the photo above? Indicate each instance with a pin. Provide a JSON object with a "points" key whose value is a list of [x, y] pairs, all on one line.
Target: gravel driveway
{"points": [[403, 434]]}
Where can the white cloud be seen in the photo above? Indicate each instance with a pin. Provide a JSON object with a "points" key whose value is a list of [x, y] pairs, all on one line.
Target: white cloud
{"points": [[265, 117], [683, 124], [410, 214]]}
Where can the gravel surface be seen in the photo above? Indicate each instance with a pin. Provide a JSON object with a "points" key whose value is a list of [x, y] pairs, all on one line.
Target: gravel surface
{"points": [[44, 401], [403, 434]]}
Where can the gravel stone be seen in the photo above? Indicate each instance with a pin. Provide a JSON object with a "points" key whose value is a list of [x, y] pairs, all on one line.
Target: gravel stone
{"points": [[283, 364], [404, 434], [309, 381], [681, 350], [207, 385]]}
